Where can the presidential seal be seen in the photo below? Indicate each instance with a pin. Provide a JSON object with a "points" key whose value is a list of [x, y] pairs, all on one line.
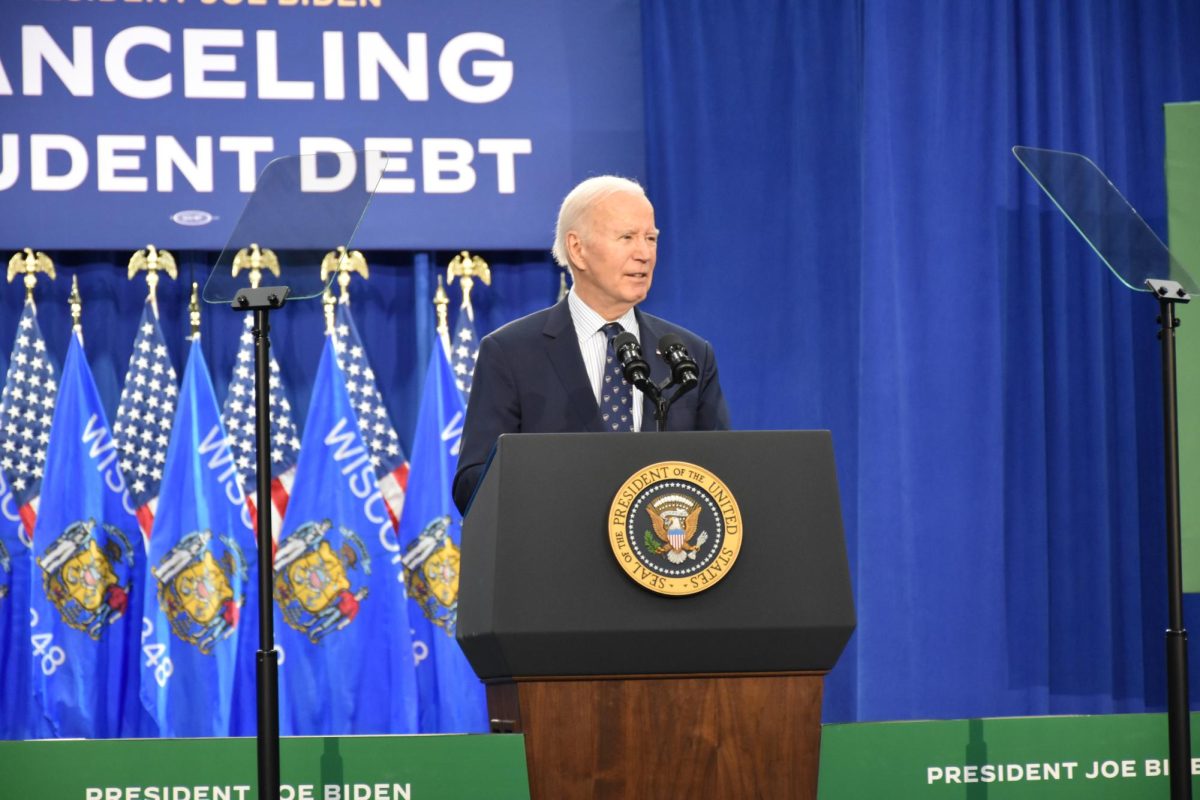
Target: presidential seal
{"points": [[675, 528], [321, 576], [201, 591], [87, 573]]}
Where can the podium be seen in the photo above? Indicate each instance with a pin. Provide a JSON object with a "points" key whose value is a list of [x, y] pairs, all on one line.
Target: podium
{"points": [[623, 692]]}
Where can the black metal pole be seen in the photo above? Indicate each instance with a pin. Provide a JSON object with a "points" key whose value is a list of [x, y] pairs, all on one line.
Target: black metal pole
{"points": [[268, 657], [660, 412], [1178, 716]]}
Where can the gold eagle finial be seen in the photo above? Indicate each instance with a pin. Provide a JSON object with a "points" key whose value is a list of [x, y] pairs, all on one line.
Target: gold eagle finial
{"points": [[76, 301], [467, 268], [255, 259], [151, 260], [441, 301], [194, 310], [344, 263], [29, 263]]}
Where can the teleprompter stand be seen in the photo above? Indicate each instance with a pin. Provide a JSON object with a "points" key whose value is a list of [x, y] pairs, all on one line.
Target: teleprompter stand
{"points": [[261, 301], [283, 229], [1178, 716], [1139, 259], [621, 692]]}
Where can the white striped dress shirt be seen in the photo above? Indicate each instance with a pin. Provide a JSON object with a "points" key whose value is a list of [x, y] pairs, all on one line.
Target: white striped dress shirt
{"points": [[593, 346]]}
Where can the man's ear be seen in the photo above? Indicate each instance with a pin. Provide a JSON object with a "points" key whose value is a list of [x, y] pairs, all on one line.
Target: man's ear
{"points": [[575, 250]]}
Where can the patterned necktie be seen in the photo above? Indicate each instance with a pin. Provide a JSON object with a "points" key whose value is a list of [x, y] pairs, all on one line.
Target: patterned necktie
{"points": [[616, 396]]}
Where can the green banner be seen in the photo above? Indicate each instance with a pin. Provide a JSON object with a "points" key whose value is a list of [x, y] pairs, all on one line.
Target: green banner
{"points": [[1113, 756], [1183, 219], [313, 768]]}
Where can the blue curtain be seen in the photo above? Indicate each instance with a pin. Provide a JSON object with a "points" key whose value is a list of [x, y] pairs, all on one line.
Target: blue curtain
{"points": [[842, 217]]}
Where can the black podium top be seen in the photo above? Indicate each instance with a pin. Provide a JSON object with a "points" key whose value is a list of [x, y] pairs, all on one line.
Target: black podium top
{"points": [[542, 594]]}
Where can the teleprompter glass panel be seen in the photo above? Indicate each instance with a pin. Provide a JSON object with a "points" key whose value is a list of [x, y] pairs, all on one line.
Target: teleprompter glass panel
{"points": [[1104, 218], [303, 207]]}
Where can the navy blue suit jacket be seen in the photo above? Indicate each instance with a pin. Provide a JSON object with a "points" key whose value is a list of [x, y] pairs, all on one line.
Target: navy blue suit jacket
{"points": [[530, 378]]}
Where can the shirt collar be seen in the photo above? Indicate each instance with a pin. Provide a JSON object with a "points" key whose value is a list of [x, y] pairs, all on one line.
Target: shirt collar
{"points": [[588, 322]]}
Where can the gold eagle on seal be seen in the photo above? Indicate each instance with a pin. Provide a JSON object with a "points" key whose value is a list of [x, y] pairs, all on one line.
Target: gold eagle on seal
{"points": [[675, 518]]}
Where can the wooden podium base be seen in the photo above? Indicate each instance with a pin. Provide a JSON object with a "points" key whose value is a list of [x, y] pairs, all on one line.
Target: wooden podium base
{"points": [[665, 736]]}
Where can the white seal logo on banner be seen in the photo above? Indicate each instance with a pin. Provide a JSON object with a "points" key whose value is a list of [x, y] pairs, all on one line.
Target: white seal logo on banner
{"points": [[192, 217]]}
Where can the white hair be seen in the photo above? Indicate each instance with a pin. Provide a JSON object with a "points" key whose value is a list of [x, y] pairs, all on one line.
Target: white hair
{"points": [[579, 201]]}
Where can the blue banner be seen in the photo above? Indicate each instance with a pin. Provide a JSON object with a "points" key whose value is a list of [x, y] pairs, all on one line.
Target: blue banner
{"points": [[161, 114], [452, 700], [201, 612], [89, 559], [341, 619]]}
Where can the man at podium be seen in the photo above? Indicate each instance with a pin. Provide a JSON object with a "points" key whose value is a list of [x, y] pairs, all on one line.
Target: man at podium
{"points": [[555, 371]]}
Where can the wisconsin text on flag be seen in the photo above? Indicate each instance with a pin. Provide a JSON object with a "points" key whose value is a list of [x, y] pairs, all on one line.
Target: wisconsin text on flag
{"points": [[341, 616]]}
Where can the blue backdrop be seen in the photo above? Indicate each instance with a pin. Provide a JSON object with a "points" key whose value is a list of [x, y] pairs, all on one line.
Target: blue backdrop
{"points": [[842, 217]]}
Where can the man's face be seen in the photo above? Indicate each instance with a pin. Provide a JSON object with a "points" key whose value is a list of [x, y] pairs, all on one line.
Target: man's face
{"points": [[614, 254]]}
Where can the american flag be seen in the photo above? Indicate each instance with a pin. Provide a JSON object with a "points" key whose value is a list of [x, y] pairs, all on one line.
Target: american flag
{"points": [[26, 411], [387, 454], [239, 415], [464, 348], [142, 429]]}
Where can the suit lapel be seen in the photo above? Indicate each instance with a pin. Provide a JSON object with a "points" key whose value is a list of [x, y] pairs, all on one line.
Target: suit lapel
{"points": [[562, 347], [649, 333]]}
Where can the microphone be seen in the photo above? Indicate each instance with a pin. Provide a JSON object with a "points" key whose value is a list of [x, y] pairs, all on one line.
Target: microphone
{"points": [[684, 371], [633, 364]]}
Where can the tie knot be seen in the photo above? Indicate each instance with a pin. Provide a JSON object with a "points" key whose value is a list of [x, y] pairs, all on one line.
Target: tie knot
{"points": [[612, 330]]}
